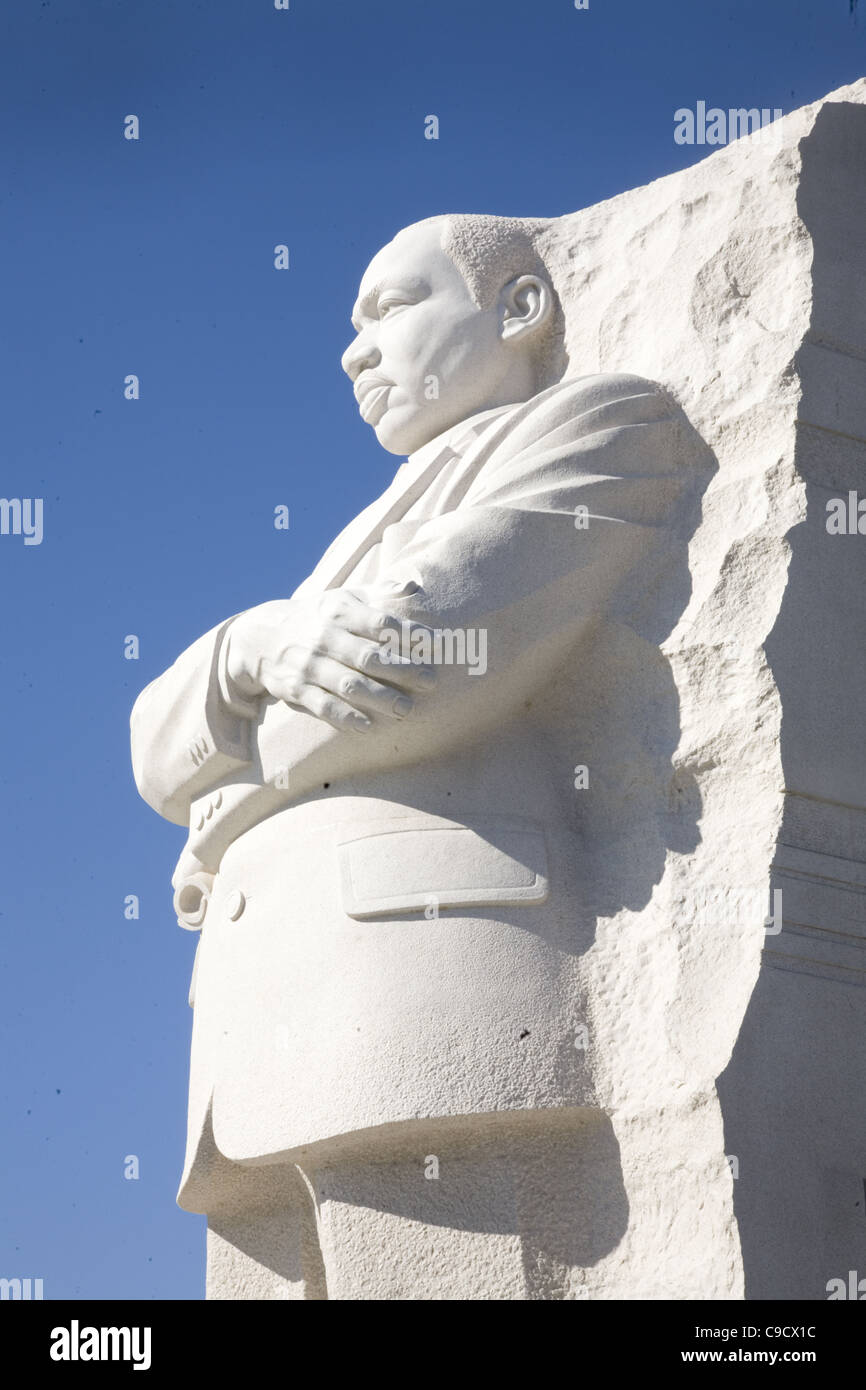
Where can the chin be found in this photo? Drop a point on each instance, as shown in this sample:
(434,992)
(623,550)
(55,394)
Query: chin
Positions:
(402,436)
(403,429)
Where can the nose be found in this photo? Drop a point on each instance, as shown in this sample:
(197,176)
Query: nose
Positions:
(359,355)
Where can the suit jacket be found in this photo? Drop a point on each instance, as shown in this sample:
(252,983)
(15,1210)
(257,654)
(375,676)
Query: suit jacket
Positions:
(393,923)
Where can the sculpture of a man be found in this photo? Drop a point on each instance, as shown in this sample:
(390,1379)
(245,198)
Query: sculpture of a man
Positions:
(389,1095)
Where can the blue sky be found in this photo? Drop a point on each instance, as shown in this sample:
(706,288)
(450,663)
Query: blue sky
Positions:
(155,257)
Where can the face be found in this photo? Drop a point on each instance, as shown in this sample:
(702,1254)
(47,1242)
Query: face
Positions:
(425,356)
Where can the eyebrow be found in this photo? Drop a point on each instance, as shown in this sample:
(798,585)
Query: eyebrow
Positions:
(411,283)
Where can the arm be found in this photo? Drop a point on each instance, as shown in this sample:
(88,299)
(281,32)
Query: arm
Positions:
(518,588)
(510,568)
(192,727)
(185,737)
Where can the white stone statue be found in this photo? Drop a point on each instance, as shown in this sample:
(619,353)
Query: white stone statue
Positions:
(455,806)
(378,774)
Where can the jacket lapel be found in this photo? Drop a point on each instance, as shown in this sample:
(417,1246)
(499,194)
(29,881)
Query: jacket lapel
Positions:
(367,529)
(471,442)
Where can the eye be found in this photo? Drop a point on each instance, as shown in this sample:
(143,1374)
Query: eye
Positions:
(387,306)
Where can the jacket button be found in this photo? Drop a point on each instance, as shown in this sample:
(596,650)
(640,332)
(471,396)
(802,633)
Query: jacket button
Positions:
(235,904)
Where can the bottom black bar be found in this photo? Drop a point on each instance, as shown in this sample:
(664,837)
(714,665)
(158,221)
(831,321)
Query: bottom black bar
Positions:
(66,1338)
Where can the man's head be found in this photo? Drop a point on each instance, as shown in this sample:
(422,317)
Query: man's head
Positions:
(454,316)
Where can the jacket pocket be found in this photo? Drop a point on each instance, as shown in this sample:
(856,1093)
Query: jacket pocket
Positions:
(418,863)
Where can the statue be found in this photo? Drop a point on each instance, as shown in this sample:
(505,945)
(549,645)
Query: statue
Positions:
(408,789)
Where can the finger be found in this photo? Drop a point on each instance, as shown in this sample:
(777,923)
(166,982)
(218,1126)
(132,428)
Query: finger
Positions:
(407,645)
(313,700)
(334,711)
(360,691)
(351,614)
(376,661)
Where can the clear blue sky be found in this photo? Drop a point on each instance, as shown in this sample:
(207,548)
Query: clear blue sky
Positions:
(156,258)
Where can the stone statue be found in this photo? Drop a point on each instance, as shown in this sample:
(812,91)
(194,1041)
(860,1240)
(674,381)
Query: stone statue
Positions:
(379,779)
(458,809)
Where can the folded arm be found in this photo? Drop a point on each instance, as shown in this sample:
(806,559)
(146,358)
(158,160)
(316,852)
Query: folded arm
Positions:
(185,738)
(539,548)
(504,594)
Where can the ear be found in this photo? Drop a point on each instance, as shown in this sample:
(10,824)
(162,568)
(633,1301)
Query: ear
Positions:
(525,306)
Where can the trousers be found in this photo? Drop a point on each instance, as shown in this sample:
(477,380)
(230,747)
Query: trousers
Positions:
(516,1206)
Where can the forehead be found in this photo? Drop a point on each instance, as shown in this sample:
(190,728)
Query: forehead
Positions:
(415,255)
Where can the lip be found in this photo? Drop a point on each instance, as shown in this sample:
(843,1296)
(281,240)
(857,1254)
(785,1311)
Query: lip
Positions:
(371,393)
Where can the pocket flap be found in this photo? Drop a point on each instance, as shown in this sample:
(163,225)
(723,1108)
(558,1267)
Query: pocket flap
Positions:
(417,864)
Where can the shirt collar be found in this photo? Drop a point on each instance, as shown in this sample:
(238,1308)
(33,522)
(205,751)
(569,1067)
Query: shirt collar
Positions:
(458,438)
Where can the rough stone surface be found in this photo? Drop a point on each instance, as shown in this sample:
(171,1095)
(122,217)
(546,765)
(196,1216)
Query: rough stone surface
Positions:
(739,284)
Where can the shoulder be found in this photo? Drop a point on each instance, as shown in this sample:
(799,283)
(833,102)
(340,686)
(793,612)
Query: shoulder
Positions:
(614,431)
(623,397)
(591,411)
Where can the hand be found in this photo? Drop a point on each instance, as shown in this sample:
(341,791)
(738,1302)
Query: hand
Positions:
(322,655)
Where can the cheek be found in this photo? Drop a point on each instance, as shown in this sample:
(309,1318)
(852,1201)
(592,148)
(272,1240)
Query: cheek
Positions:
(468,346)
(406,349)
(428,336)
